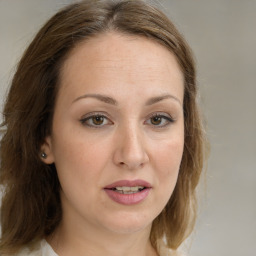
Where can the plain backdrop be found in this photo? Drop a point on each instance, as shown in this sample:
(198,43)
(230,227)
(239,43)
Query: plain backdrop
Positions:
(223,38)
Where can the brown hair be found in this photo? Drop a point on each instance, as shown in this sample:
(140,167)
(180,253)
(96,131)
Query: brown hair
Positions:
(31,207)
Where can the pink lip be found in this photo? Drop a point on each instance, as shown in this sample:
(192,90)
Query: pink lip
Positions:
(128,199)
(129,183)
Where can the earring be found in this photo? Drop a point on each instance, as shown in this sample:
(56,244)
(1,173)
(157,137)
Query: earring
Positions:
(43,155)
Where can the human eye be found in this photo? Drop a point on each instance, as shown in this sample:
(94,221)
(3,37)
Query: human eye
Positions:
(159,120)
(95,120)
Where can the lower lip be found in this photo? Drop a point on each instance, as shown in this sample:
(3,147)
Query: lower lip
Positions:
(127,199)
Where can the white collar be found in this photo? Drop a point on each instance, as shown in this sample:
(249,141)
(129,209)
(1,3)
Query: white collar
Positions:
(46,249)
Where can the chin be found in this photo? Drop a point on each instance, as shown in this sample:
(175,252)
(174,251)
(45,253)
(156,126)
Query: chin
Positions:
(128,223)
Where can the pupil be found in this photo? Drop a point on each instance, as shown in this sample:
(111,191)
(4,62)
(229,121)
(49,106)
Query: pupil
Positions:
(98,120)
(156,120)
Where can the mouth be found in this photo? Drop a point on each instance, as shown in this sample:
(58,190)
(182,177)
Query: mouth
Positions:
(129,186)
(128,192)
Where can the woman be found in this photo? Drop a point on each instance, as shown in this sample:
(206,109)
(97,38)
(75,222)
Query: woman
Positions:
(104,146)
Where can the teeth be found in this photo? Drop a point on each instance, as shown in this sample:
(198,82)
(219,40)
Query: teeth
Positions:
(128,190)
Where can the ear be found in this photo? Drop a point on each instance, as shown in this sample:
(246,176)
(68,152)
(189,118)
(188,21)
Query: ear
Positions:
(46,149)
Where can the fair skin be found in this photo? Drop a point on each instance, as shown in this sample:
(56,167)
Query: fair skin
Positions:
(118,116)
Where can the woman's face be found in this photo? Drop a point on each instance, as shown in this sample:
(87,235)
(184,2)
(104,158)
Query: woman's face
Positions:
(118,132)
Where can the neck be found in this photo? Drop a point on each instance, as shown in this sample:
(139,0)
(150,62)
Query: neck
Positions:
(70,239)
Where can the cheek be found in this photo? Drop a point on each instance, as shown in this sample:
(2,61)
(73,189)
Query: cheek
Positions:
(80,160)
(79,166)
(169,153)
(167,160)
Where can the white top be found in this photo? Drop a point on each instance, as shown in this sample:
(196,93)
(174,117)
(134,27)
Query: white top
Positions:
(44,249)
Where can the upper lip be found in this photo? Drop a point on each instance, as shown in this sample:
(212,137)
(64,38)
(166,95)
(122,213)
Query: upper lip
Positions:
(129,183)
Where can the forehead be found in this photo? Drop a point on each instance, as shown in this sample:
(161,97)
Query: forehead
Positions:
(113,59)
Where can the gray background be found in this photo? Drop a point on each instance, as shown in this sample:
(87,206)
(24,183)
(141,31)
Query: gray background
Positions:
(222,35)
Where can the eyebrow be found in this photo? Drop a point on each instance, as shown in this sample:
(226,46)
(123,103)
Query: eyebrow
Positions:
(154,100)
(111,101)
(99,97)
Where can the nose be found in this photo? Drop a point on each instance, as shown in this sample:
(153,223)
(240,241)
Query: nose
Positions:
(130,152)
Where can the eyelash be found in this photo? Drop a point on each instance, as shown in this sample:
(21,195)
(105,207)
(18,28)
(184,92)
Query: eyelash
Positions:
(84,121)
(90,116)
(167,118)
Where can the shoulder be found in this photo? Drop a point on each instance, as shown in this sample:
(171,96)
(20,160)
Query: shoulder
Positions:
(40,249)
(164,251)
(29,252)
(172,253)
